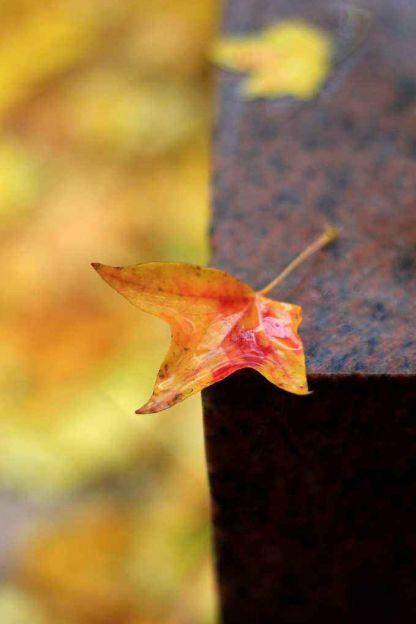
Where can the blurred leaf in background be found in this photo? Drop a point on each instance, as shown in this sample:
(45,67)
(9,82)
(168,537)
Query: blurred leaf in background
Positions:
(105,113)
(289,58)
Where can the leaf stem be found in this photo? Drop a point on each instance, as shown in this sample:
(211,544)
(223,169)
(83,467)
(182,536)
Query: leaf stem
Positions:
(327,237)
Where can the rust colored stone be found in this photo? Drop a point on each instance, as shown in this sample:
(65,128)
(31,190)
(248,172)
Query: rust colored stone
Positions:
(314,499)
(283,169)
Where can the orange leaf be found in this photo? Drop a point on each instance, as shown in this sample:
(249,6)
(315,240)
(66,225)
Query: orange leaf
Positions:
(219,325)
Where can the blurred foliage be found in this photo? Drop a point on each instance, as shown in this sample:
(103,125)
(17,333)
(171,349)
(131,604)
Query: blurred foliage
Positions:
(105,112)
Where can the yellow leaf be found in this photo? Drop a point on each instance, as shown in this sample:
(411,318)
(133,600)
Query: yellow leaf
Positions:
(291,58)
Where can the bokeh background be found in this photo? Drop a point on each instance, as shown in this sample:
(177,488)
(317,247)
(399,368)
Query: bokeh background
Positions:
(105,116)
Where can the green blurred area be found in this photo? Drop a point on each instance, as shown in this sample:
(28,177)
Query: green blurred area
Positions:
(105,113)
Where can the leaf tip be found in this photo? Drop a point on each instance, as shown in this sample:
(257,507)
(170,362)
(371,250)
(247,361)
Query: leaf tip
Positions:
(96,265)
(148,408)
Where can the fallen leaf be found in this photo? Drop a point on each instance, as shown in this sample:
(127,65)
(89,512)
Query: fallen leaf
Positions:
(219,325)
(291,58)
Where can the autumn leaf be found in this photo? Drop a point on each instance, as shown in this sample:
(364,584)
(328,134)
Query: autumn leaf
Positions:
(219,325)
(291,58)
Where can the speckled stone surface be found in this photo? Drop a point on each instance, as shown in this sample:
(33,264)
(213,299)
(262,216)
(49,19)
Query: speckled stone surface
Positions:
(314,498)
(282,169)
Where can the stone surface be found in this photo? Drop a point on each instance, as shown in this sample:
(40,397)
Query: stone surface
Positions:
(283,169)
(314,498)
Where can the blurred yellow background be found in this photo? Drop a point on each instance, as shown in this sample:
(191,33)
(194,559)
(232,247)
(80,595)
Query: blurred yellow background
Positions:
(105,114)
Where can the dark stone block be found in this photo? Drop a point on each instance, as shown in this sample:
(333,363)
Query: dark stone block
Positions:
(314,499)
